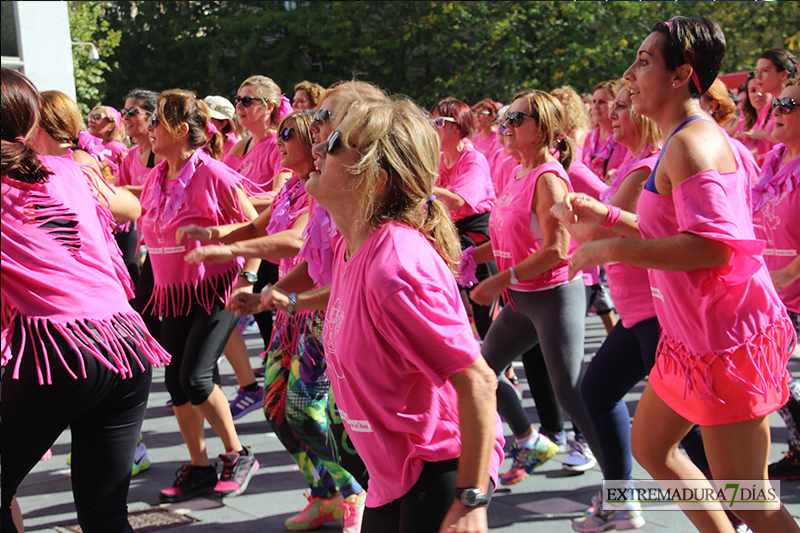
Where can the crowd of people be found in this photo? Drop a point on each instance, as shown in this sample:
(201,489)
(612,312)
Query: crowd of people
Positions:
(397,260)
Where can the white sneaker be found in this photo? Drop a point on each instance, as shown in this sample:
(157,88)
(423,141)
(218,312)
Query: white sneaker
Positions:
(580,458)
(603,521)
(140,459)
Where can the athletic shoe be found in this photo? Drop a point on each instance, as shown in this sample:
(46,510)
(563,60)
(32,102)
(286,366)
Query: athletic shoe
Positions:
(191,481)
(603,521)
(260,372)
(516,386)
(580,457)
(353,511)
(317,512)
(559,439)
(48,454)
(169,403)
(246,402)
(742,528)
(140,459)
(787,468)
(526,460)
(237,469)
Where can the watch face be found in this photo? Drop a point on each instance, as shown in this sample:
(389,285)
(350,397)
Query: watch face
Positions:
(472,497)
(250,277)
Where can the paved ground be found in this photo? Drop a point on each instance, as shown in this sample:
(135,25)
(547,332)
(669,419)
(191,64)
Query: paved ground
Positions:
(546,501)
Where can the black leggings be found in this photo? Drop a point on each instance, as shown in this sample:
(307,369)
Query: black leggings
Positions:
(423,508)
(195,341)
(105,414)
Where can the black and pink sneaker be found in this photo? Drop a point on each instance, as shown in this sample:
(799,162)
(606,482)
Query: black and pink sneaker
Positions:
(237,469)
(191,481)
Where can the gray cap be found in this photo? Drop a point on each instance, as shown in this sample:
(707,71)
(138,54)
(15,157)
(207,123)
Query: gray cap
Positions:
(221,107)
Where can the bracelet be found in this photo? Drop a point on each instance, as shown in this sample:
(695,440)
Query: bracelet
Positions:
(290,306)
(614,213)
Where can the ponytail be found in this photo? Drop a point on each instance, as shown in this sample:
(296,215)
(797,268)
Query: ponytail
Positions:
(20,162)
(566,150)
(439,229)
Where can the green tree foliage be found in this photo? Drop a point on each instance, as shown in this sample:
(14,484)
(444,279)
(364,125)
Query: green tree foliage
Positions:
(88,24)
(426,50)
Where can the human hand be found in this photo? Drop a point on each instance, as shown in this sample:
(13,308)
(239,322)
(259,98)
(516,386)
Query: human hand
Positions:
(193,231)
(587,255)
(580,207)
(463,519)
(487,290)
(244,303)
(279,300)
(213,253)
(782,278)
(242,287)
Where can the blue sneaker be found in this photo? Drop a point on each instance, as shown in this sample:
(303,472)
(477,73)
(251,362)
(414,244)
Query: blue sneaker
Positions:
(526,460)
(246,402)
(580,457)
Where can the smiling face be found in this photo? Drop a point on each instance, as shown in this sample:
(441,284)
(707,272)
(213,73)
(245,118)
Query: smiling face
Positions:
(527,135)
(768,78)
(255,116)
(787,127)
(331,183)
(135,127)
(295,153)
(449,132)
(99,124)
(601,103)
(161,140)
(321,131)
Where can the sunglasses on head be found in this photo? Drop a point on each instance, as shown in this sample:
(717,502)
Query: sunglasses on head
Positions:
(246,101)
(96,116)
(438,122)
(285,133)
(153,121)
(515,119)
(132,112)
(784,105)
(322,116)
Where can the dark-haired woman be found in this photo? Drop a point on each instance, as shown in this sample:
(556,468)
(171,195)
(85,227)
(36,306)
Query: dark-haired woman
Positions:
(75,353)
(191,187)
(465,186)
(726,337)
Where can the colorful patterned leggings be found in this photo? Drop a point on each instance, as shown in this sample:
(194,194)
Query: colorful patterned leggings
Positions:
(296,389)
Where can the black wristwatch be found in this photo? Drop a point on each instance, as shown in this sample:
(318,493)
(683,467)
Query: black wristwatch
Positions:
(251,277)
(472,497)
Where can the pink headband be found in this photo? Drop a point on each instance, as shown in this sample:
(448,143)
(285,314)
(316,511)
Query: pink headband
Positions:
(211,129)
(286,107)
(695,78)
(115,116)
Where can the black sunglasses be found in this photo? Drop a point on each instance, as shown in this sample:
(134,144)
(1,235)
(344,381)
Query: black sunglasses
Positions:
(784,105)
(322,116)
(285,133)
(96,116)
(246,101)
(334,141)
(132,112)
(153,121)
(515,119)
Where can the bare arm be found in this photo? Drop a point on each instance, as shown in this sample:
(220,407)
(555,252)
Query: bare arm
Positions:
(262,203)
(787,275)
(123,205)
(452,200)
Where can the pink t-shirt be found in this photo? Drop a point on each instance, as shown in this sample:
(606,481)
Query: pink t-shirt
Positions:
(289,204)
(629,285)
(751,167)
(776,201)
(319,238)
(118,151)
(765,122)
(230,142)
(132,171)
(178,283)
(596,152)
(57,272)
(260,166)
(395,331)
(585,181)
(489,147)
(471,180)
(515,228)
(504,171)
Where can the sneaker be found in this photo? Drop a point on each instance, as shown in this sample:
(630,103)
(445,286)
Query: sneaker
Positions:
(169,403)
(742,528)
(317,512)
(353,511)
(604,520)
(526,460)
(260,372)
(580,457)
(787,468)
(140,459)
(246,402)
(516,386)
(559,439)
(237,469)
(191,481)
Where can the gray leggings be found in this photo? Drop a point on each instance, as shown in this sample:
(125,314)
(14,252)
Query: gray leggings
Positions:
(553,318)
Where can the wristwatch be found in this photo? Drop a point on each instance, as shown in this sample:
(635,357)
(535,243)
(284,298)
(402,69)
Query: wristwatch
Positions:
(291,304)
(514,279)
(472,497)
(251,277)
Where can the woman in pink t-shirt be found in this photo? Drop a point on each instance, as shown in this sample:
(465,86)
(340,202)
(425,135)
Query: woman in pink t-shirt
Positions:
(485,140)
(600,152)
(726,338)
(421,413)
(776,216)
(465,186)
(105,123)
(192,187)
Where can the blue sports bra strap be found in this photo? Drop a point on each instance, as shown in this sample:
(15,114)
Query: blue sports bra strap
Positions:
(651,181)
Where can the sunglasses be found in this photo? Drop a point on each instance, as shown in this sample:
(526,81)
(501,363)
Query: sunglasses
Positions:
(438,122)
(322,116)
(502,127)
(515,119)
(153,121)
(285,133)
(96,116)
(784,105)
(485,112)
(133,112)
(246,101)
(334,141)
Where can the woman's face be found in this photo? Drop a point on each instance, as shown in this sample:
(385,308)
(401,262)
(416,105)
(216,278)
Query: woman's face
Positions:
(527,134)
(294,152)
(787,127)
(255,116)
(135,127)
(485,118)
(621,124)
(768,79)
(321,130)
(99,124)
(601,103)
(161,140)
(301,100)
(331,183)
(758,99)
(648,77)
(448,132)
